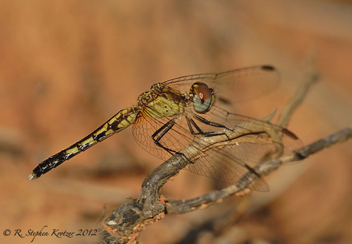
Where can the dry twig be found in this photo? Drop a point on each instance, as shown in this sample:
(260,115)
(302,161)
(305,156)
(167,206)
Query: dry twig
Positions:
(125,223)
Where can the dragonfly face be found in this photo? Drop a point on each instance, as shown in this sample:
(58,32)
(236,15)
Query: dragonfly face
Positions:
(177,112)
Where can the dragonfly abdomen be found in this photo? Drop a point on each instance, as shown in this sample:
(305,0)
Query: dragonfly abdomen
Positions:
(117,123)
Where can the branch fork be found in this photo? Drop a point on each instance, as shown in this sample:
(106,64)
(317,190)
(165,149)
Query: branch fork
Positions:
(125,223)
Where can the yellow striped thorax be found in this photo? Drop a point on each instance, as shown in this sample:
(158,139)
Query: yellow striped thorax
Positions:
(162,101)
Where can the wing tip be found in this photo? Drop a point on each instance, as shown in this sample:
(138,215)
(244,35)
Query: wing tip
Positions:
(268,67)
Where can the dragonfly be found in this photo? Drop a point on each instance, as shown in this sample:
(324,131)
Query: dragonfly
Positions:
(177,112)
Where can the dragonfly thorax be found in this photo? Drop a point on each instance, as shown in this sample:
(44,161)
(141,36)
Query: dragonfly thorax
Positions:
(162,101)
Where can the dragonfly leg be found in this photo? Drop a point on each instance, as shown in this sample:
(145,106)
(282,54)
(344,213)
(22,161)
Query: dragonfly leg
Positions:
(205,121)
(191,122)
(158,135)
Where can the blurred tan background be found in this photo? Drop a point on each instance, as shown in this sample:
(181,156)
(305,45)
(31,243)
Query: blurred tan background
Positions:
(68,66)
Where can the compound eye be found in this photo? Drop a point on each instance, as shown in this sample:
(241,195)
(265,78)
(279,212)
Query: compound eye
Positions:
(203,97)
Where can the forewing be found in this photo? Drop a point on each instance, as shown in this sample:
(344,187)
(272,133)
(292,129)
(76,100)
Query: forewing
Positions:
(234,85)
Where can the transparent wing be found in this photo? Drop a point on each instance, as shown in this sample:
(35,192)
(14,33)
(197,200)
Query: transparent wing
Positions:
(232,121)
(229,164)
(225,164)
(234,85)
(175,139)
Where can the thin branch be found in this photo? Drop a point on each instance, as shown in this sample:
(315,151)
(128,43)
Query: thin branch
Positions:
(132,217)
(311,78)
(125,223)
(264,168)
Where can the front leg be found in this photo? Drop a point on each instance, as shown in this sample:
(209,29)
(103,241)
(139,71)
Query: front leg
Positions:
(161,132)
(191,122)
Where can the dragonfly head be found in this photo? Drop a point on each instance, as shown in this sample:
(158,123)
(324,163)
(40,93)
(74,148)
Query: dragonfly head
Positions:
(203,97)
